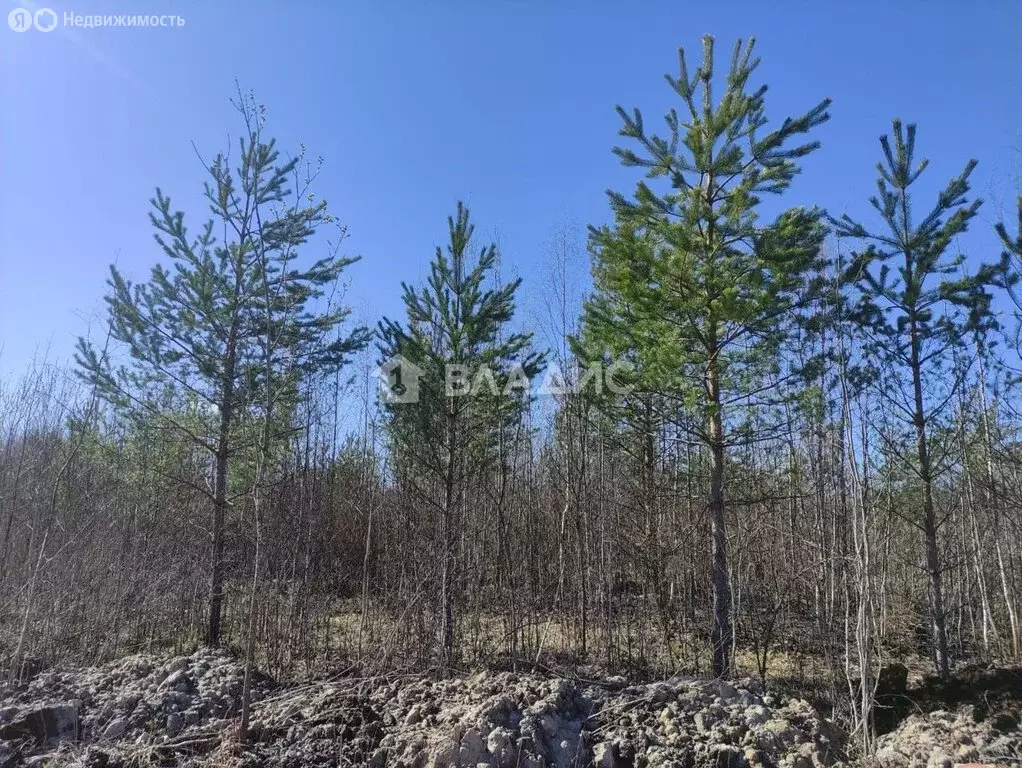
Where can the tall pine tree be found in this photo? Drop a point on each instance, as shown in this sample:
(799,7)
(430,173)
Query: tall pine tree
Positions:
(691,284)
(447,437)
(233,317)
(914,305)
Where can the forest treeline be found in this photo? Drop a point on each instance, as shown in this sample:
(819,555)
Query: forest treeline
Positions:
(809,465)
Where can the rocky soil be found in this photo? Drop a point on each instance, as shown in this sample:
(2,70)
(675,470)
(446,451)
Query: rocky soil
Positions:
(943,739)
(183,711)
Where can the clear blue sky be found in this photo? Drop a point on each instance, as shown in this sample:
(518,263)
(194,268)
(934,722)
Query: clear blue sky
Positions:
(414,105)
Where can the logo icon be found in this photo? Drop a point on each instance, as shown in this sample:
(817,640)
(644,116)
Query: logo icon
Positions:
(45,20)
(399,380)
(20,20)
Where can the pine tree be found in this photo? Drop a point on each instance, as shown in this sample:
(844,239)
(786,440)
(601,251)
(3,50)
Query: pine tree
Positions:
(228,322)
(692,284)
(1013,247)
(1012,258)
(447,437)
(914,306)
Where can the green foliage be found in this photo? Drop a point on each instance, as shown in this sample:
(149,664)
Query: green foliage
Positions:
(914,303)
(457,319)
(908,284)
(691,274)
(198,330)
(1013,247)
(1012,258)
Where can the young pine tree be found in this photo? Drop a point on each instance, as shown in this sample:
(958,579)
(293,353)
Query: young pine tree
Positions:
(447,438)
(914,306)
(231,320)
(692,284)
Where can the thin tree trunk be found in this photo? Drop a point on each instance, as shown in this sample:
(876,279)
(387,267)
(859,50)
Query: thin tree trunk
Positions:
(216,567)
(721,635)
(938,624)
(995,509)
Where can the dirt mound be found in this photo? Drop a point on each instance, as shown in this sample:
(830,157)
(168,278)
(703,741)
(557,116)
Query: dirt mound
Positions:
(988,689)
(971,717)
(183,711)
(942,739)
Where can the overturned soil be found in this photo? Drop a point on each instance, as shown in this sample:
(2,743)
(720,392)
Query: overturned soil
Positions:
(145,710)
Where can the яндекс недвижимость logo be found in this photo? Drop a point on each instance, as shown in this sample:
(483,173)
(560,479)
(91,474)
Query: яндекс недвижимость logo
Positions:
(22,19)
(46,20)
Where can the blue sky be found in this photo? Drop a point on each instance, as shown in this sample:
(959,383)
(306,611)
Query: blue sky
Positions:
(508,106)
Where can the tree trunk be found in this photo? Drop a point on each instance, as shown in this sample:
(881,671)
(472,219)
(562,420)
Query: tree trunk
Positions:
(216,567)
(720,637)
(994,505)
(938,625)
(216,570)
(447,543)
